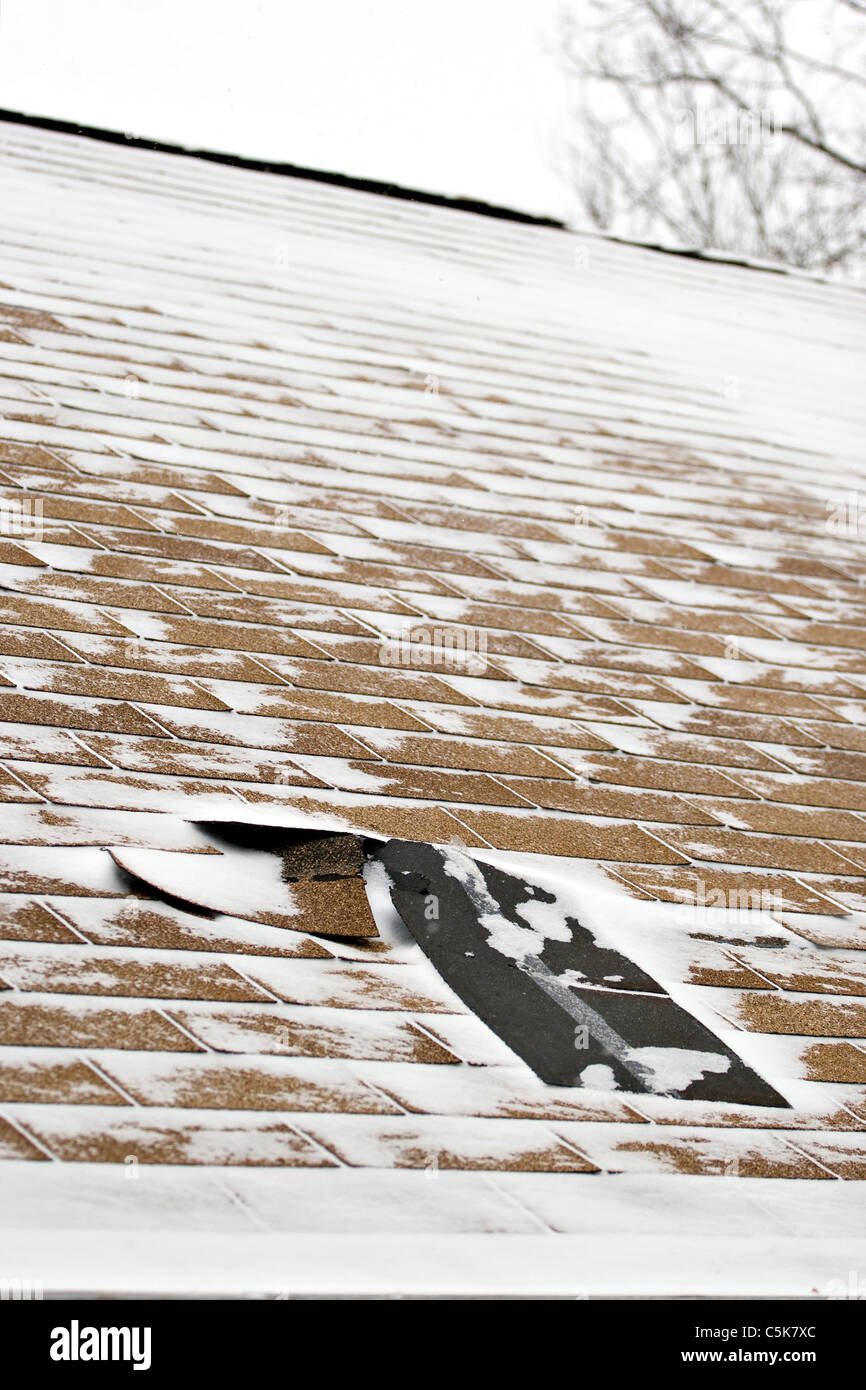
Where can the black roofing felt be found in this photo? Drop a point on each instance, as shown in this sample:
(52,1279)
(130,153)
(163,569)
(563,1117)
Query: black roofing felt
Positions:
(574,1005)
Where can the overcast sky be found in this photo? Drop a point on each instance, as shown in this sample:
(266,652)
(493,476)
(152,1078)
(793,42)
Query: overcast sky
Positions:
(458,96)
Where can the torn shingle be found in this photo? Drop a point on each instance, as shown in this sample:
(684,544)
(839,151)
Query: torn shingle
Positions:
(247,878)
(322,856)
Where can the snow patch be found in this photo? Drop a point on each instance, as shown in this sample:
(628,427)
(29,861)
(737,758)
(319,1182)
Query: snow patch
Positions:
(672,1069)
(598,1077)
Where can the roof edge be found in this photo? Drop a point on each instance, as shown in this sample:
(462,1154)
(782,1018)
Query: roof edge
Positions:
(414,195)
(295,171)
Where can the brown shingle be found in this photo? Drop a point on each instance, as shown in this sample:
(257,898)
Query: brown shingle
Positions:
(827,762)
(15,641)
(49,1081)
(168,1137)
(380,681)
(308,732)
(126,791)
(73,617)
(806,971)
(340,985)
(577,838)
(773,819)
(189,759)
(725,723)
(701,749)
(775,1013)
(461,753)
(486,1145)
(307,1031)
(11,789)
(429,651)
(169,658)
(306,591)
(438,784)
(715,886)
(641,805)
(170,476)
(14,1144)
(654,773)
(12,554)
(90,589)
(750,1155)
(790,704)
(69,712)
(209,1083)
(43,744)
(245,533)
(157,926)
(798,790)
(499,618)
(848,893)
(846,1157)
(102,683)
(70,970)
(28,920)
(89,1023)
(431,823)
(796,853)
(517,728)
(835,1062)
(212,636)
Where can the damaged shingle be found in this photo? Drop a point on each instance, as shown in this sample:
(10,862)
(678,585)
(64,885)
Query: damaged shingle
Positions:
(324,855)
(579,1012)
(248,877)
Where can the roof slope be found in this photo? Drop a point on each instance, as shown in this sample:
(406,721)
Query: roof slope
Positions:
(322,505)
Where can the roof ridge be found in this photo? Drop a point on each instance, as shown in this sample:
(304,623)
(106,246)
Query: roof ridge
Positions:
(298,171)
(402,193)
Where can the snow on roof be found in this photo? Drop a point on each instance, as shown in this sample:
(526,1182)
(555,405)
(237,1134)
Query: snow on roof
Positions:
(321,508)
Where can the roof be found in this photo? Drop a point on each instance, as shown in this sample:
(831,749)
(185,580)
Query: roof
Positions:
(326,509)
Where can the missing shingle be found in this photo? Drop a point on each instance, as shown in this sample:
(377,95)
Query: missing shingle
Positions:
(573,1007)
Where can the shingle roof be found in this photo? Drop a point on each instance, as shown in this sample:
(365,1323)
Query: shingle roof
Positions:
(267,447)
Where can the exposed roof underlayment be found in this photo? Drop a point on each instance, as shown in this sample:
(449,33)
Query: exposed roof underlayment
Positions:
(325,511)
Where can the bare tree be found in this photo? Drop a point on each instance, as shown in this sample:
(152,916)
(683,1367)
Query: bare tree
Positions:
(733,124)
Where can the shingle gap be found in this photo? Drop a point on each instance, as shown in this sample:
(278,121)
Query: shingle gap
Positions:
(578,1011)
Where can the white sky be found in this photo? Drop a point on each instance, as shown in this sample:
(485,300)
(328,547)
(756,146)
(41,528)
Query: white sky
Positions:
(455,96)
